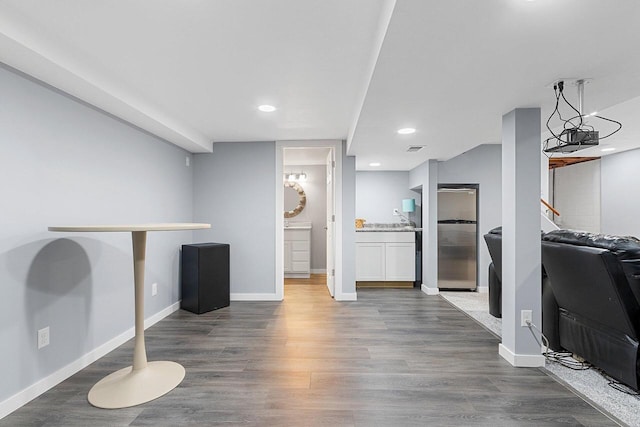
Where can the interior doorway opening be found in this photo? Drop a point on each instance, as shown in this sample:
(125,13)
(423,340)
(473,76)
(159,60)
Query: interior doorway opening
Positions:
(307,235)
(307,207)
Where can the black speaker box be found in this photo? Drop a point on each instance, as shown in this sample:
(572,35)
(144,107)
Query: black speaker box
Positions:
(205,277)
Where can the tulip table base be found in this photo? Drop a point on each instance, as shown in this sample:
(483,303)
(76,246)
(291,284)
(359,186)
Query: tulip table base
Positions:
(127,387)
(143,381)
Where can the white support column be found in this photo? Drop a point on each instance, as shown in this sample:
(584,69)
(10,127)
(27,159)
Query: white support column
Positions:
(521,268)
(430,230)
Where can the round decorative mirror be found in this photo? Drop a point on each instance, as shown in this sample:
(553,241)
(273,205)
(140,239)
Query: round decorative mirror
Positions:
(294,199)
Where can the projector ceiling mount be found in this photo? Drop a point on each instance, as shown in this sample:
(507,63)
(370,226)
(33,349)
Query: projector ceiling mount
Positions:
(576,133)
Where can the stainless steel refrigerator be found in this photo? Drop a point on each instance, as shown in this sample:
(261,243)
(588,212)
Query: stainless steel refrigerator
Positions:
(457,236)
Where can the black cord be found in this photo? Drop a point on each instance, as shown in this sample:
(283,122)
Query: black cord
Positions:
(566,359)
(568,125)
(609,120)
(617,385)
(555,110)
(574,108)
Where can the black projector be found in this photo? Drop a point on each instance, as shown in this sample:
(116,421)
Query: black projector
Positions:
(573,140)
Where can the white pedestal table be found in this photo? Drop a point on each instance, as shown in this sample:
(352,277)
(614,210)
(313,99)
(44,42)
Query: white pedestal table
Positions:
(144,381)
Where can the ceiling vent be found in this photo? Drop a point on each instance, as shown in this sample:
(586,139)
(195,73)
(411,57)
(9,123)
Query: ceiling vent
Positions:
(414,148)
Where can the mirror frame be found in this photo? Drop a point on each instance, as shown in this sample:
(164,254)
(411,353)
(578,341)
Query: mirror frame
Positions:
(302,199)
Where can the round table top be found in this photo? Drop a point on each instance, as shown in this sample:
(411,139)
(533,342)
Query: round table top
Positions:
(170,226)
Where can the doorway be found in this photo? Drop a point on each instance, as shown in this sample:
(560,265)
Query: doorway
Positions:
(308,238)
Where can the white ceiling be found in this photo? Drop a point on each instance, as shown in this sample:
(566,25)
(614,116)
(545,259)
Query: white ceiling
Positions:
(194,72)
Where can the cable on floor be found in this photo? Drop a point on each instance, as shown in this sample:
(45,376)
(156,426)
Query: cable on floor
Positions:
(567,359)
(563,358)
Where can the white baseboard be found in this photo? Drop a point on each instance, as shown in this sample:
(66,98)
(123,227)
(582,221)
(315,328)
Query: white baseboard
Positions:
(521,360)
(348,296)
(429,291)
(482,289)
(254,297)
(318,271)
(25,396)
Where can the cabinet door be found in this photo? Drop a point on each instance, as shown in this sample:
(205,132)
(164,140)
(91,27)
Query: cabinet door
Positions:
(400,262)
(287,256)
(370,262)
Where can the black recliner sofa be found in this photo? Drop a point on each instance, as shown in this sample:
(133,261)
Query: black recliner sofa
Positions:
(493,240)
(549,305)
(595,279)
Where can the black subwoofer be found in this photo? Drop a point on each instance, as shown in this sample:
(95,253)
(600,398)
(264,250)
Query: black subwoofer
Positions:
(205,277)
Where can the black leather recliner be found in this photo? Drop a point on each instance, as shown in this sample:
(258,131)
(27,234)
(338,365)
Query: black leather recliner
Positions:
(494,243)
(549,305)
(596,281)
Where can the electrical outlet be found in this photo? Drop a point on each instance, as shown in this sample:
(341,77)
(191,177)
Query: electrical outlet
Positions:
(43,337)
(154,289)
(525,316)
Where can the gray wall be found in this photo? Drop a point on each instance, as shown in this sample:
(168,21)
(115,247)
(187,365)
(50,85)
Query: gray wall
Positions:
(63,163)
(481,165)
(234,191)
(315,211)
(521,252)
(620,195)
(424,179)
(418,182)
(378,193)
(576,195)
(348,224)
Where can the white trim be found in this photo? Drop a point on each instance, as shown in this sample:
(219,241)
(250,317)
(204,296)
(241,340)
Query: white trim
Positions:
(152,320)
(521,360)
(347,296)
(25,396)
(318,271)
(429,291)
(336,145)
(255,297)
(279,243)
(482,289)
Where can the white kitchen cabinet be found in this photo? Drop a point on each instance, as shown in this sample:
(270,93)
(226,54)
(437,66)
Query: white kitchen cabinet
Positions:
(400,262)
(297,252)
(385,256)
(370,264)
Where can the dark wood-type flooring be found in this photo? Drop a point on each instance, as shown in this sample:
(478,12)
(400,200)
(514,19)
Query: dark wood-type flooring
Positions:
(396,357)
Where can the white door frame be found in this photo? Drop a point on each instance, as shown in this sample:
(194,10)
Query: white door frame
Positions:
(330,185)
(336,145)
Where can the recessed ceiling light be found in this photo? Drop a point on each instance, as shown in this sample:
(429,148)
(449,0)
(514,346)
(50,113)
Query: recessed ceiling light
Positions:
(374,164)
(267,108)
(604,150)
(406,131)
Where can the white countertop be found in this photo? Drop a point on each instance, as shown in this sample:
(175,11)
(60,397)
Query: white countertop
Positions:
(387,230)
(297,225)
